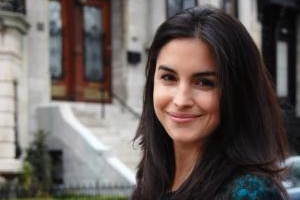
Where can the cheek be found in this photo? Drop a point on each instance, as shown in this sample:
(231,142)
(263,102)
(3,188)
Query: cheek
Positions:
(211,106)
(215,105)
(209,102)
(161,98)
(158,98)
(215,108)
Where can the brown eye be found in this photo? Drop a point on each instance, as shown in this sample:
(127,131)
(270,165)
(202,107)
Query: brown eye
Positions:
(204,83)
(168,77)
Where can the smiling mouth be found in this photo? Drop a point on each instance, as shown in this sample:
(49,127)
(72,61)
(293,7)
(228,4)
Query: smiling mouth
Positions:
(183,118)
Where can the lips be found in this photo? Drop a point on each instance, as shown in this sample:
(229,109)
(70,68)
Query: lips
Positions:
(183,117)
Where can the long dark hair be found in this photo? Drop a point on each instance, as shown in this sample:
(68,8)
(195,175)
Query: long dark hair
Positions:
(251,137)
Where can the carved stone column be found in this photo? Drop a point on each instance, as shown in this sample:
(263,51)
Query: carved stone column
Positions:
(13,5)
(13,28)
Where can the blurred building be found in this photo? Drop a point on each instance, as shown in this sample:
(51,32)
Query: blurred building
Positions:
(75,68)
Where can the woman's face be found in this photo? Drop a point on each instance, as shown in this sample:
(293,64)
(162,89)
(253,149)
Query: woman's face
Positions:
(186,91)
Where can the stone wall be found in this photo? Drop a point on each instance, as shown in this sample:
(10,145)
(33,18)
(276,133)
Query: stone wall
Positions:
(13,28)
(38,59)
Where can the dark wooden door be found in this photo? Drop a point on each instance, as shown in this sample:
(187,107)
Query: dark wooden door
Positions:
(85,47)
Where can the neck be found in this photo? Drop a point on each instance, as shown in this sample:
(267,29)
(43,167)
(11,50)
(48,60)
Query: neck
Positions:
(185,160)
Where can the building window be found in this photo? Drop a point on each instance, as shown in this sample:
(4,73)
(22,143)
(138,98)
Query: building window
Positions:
(93,44)
(282,69)
(175,6)
(230,7)
(55,40)
(56,157)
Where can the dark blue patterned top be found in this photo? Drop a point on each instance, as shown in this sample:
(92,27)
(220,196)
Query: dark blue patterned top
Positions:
(246,187)
(251,187)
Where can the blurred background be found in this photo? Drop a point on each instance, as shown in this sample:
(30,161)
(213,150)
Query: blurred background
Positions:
(72,77)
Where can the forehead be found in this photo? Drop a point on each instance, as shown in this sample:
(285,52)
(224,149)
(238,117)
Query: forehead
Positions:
(187,53)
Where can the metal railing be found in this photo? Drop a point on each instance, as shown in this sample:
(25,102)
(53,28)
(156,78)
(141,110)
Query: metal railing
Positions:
(123,103)
(111,192)
(126,106)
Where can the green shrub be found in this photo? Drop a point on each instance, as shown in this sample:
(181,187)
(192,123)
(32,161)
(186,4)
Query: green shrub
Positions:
(37,166)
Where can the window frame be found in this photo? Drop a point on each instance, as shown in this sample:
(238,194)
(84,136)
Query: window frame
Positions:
(181,6)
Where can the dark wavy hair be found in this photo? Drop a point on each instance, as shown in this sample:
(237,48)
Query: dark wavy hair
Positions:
(250,138)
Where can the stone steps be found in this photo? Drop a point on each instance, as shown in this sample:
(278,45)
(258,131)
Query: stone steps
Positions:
(116,130)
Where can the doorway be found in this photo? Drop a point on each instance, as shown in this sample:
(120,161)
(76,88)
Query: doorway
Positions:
(80,50)
(279,50)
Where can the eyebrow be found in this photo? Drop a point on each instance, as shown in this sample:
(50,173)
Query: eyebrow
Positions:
(204,73)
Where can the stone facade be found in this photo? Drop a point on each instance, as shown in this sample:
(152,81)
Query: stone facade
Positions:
(13,114)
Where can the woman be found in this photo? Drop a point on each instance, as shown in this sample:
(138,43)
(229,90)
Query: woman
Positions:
(211,126)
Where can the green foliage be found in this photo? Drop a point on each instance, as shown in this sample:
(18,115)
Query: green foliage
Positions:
(37,166)
(36,179)
(26,176)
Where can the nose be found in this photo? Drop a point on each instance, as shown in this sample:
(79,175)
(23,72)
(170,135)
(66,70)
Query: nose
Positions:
(183,96)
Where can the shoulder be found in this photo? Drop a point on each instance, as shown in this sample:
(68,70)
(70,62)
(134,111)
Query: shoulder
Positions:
(253,187)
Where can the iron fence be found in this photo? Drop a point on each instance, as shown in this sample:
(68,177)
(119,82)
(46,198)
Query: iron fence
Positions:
(101,192)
